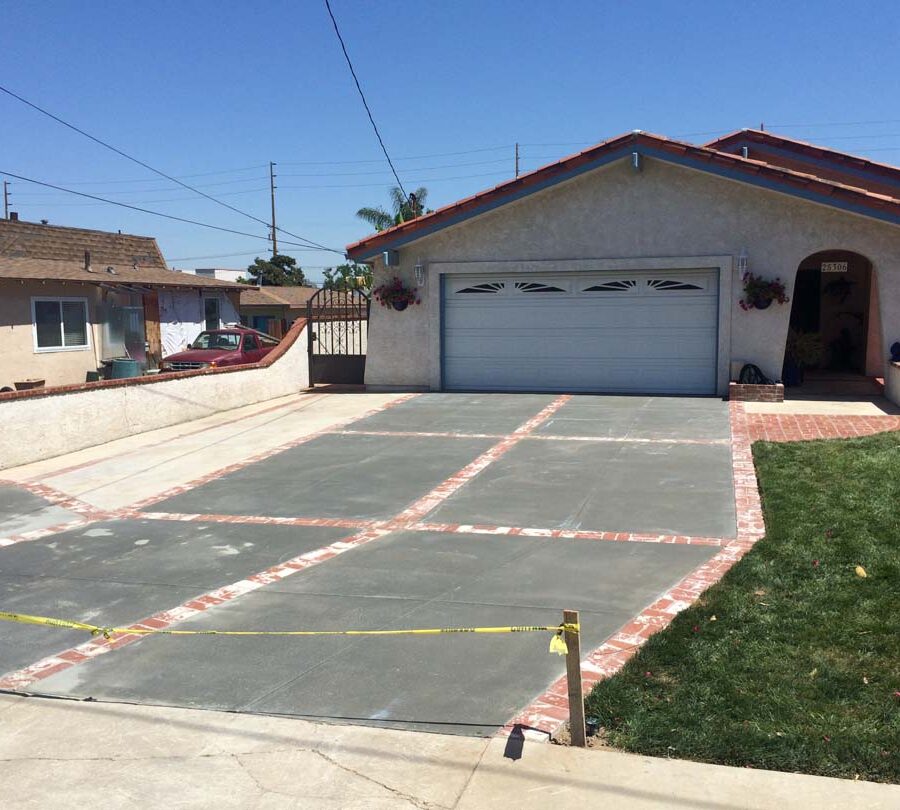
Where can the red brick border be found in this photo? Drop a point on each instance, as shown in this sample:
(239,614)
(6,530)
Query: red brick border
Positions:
(20,679)
(66,659)
(239,465)
(549,711)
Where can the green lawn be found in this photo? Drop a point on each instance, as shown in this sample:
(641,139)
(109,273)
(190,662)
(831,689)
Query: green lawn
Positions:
(792,661)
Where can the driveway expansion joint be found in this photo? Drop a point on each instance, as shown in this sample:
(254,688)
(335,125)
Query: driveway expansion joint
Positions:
(549,710)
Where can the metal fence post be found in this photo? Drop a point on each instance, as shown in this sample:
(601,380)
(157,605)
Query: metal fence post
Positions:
(573,680)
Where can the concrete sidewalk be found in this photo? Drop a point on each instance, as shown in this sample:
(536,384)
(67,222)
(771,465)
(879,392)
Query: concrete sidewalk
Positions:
(59,753)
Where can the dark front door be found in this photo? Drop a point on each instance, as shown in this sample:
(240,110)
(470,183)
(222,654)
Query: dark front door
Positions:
(338,333)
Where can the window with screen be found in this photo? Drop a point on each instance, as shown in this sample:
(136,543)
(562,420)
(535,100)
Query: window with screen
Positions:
(60,323)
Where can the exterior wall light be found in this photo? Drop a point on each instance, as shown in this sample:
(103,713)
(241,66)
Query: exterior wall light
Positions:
(743,264)
(419,270)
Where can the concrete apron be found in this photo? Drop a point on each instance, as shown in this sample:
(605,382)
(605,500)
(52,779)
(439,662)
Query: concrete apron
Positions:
(620,464)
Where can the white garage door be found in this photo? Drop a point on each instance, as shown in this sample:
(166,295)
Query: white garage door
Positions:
(634,332)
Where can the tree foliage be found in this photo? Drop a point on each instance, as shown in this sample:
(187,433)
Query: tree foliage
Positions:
(279,271)
(348,277)
(402,209)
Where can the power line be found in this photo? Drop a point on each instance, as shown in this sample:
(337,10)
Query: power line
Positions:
(839,123)
(182,176)
(214,256)
(410,157)
(405,171)
(363,97)
(379,185)
(164,189)
(288,174)
(157,213)
(42,201)
(151,168)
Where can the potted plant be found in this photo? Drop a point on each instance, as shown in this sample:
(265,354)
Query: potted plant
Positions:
(759,293)
(804,350)
(396,294)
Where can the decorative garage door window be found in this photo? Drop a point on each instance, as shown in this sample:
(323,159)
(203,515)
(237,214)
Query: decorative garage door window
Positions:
(617,285)
(593,284)
(489,287)
(537,287)
(665,284)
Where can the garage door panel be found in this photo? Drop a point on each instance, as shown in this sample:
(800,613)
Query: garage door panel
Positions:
(576,344)
(651,332)
(548,375)
(588,315)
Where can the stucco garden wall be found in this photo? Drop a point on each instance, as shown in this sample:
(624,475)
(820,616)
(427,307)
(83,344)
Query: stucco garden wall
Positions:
(663,212)
(44,424)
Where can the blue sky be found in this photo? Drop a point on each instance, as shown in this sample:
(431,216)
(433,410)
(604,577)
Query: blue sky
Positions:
(220,89)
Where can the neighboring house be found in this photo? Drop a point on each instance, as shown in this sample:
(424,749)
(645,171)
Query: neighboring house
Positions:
(71,300)
(220,273)
(273,309)
(621,268)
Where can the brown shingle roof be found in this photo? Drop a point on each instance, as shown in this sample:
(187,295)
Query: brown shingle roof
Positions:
(55,253)
(293,297)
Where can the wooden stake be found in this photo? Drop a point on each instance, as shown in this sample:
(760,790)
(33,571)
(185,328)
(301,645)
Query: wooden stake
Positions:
(573,680)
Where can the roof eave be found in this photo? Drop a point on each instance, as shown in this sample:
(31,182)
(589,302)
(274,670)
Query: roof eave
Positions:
(707,159)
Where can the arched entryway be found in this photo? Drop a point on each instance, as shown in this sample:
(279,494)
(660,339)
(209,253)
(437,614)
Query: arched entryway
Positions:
(834,340)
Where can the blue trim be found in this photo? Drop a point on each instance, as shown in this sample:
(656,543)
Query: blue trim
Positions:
(608,157)
(823,162)
(774,185)
(623,151)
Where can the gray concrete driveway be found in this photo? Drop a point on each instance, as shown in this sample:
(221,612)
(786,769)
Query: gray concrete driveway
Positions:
(439,511)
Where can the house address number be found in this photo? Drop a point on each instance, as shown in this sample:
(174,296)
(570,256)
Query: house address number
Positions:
(834,267)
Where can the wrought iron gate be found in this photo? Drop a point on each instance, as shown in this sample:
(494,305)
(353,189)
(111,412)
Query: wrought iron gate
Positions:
(338,322)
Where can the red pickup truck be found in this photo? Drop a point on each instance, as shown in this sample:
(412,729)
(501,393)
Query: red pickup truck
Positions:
(232,346)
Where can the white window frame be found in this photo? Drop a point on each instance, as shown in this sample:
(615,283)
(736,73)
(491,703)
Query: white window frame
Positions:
(60,299)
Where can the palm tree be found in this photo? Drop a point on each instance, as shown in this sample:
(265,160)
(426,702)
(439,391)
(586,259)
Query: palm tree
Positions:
(403,209)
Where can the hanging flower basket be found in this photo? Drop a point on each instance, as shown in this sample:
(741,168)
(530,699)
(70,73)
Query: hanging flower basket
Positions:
(396,294)
(759,293)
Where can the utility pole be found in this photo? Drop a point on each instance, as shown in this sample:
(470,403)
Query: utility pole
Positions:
(272,191)
(5,199)
(517,158)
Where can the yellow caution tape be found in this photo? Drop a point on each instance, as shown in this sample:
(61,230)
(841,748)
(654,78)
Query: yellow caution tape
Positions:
(557,643)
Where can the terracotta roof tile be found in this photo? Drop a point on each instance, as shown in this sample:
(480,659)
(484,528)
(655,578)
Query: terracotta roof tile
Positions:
(842,166)
(788,180)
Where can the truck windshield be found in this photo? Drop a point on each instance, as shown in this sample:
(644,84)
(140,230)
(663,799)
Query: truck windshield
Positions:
(216,340)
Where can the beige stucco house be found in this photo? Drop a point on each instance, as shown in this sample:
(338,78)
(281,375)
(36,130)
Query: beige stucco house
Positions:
(72,300)
(622,269)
